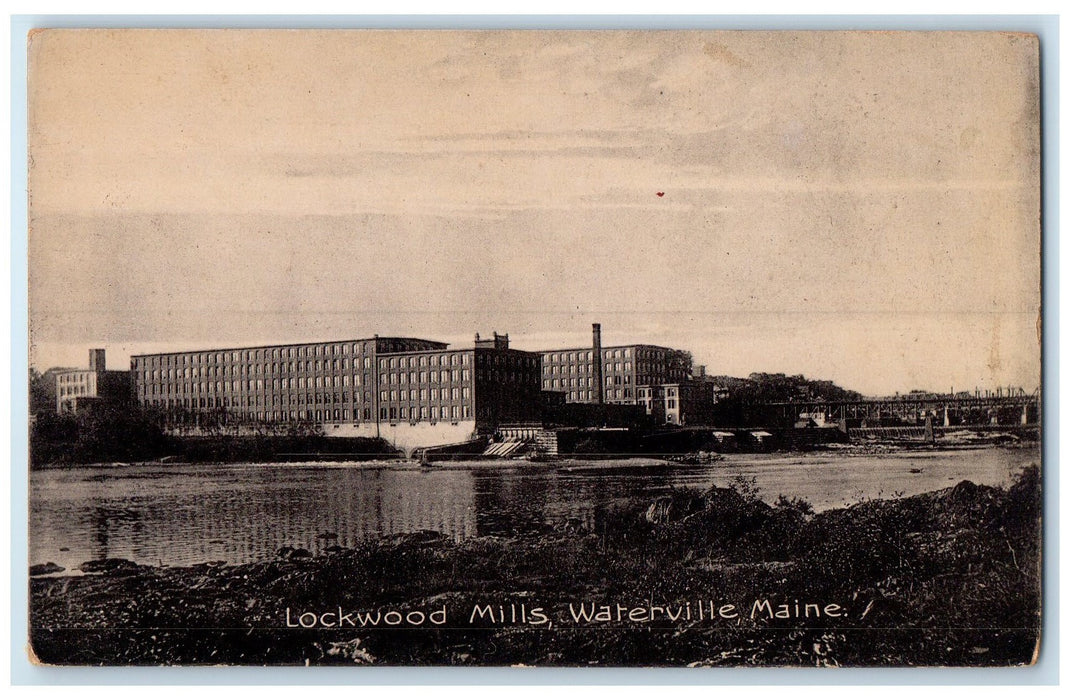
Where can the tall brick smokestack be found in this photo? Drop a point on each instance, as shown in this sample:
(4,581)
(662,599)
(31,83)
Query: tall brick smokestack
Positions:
(599,382)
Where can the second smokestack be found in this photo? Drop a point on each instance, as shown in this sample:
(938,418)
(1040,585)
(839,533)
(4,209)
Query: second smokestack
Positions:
(599,382)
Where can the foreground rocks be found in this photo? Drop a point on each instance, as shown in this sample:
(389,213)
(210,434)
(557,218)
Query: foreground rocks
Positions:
(714,578)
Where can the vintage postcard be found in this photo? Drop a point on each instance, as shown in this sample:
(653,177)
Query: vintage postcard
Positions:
(544,348)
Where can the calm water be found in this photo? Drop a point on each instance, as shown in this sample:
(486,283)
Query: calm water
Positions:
(177,515)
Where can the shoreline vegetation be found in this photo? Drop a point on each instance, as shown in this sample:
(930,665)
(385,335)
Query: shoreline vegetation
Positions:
(713,578)
(121,438)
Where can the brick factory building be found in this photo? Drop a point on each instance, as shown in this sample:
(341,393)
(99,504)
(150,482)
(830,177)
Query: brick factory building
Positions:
(659,379)
(624,368)
(75,389)
(409,391)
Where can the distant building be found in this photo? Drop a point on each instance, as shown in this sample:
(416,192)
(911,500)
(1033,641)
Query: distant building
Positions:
(624,368)
(689,402)
(77,388)
(43,391)
(659,379)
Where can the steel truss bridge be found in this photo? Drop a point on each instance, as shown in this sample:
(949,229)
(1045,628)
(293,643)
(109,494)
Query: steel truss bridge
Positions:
(1009,408)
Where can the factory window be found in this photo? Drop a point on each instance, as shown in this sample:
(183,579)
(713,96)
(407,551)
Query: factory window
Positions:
(401,412)
(434,413)
(464,411)
(393,395)
(465,359)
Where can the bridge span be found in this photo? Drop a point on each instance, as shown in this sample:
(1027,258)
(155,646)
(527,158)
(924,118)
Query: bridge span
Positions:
(1004,408)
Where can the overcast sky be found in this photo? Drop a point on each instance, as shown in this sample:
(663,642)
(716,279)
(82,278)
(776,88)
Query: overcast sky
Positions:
(856,207)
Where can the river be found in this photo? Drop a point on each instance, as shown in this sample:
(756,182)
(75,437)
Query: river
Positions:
(185,514)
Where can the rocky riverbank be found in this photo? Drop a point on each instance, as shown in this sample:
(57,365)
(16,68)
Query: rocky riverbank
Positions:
(714,578)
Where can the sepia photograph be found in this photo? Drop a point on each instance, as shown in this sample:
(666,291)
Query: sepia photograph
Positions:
(497,348)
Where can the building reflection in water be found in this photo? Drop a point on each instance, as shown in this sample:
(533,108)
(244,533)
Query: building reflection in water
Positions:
(239,514)
(248,518)
(242,513)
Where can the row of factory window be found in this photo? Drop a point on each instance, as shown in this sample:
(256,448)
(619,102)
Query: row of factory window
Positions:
(573,382)
(669,403)
(433,360)
(422,394)
(646,392)
(320,414)
(253,354)
(248,385)
(75,390)
(306,366)
(581,355)
(409,413)
(428,413)
(586,368)
(423,377)
(72,377)
(588,395)
(425,394)
(228,402)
